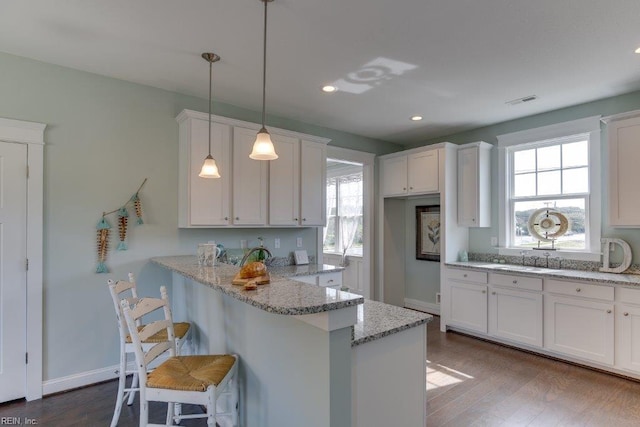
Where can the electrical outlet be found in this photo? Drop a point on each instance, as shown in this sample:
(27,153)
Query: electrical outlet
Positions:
(276,244)
(299,242)
(494,241)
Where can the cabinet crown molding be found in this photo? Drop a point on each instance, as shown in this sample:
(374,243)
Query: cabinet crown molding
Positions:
(191,114)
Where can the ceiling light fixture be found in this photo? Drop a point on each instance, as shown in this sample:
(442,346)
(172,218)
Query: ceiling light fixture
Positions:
(416,118)
(210,168)
(263,147)
(329,89)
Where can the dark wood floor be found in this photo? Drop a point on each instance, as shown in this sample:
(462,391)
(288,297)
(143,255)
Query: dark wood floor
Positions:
(470,383)
(476,383)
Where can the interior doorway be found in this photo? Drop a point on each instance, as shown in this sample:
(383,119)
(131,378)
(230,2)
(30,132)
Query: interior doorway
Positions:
(347,239)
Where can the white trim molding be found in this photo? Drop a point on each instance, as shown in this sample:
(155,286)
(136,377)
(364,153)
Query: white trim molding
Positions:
(32,134)
(81,379)
(368,178)
(419,305)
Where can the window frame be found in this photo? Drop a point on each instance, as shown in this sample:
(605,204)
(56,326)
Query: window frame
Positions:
(337,221)
(545,136)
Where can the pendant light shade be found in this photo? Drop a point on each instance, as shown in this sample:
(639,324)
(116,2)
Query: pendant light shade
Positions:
(263,148)
(210,167)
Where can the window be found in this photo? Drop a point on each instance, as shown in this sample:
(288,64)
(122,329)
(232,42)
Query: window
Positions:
(552,186)
(552,175)
(344,231)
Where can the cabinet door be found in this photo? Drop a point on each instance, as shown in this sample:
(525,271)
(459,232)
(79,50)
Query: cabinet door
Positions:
(208,200)
(516,315)
(394,176)
(249,181)
(313,183)
(579,328)
(624,157)
(467,186)
(628,338)
(468,306)
(423,174)
(284,182)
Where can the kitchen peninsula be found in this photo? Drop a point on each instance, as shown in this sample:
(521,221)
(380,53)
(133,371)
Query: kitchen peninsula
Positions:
(309,355)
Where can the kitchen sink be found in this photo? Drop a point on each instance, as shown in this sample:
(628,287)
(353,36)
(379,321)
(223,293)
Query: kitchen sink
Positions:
(523,268)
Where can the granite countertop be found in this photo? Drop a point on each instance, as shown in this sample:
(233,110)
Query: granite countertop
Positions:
(303,270)
(281,296)
(377,320)
(631,280)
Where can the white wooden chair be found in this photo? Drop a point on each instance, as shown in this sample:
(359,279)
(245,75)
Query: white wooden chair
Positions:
(198,380)
(123,290)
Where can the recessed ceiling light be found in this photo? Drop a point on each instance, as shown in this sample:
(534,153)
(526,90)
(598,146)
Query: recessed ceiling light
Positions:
(416,118)
(638,50)
(329,89)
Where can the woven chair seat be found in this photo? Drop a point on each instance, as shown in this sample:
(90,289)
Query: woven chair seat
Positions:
(191,373)
(179,329)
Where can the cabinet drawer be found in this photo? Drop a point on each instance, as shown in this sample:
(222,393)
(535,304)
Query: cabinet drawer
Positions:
(631,296)
(330,279)
(579,289)
(520,282)
(467,276)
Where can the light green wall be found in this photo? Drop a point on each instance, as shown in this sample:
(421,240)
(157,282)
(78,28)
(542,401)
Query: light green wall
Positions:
(479,239)
(103,137)
(422,278)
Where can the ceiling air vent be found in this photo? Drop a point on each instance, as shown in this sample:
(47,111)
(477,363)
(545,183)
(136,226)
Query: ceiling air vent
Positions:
(521,100)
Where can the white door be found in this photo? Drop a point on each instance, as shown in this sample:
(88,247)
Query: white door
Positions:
(13,275)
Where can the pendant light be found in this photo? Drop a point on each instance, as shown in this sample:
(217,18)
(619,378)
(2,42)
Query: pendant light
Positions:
(263,147)
(210,168)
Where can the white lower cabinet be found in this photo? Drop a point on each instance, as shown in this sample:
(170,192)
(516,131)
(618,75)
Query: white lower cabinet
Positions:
(598,324)
(467,306)
(628,329)
(516,315)
(579,327)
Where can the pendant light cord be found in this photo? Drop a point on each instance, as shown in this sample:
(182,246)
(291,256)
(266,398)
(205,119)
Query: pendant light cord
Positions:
(264,65)
(210,78)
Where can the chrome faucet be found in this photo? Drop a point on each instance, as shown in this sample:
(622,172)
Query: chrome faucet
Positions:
(252,250)
(546,256)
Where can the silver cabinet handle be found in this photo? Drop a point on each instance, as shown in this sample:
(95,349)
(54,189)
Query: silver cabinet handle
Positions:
(237,218)
(608,311)
(410,188)
(578,289)
(464,275)
(404,188)
(484,292)
(304,219)
(493,293)
(330,281)
(226,218)
(626,314)
(515,282)
(295,219)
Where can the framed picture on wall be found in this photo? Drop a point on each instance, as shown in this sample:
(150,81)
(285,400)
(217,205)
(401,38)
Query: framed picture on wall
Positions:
(428,233)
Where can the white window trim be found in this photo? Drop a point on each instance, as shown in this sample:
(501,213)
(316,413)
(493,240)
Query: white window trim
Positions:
(590,125)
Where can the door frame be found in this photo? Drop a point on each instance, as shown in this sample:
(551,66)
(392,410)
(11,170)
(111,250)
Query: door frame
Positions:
(368,178)
(32,135)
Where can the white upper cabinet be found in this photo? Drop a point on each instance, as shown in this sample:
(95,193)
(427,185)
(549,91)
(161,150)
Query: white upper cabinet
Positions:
(422,172)
(474,185)
(249,181)
(212,205)
(289,191)
(624,173)
(284,182)
(394,176)
(313,183)
(410,174)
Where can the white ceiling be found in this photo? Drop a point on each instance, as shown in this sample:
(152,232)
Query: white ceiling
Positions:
(455,62)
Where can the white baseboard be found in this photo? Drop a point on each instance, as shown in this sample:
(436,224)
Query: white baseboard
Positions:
(81,379)
(427,307)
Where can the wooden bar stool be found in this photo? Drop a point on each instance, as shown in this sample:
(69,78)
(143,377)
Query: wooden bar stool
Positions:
(126,291)
(198,380)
